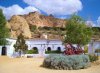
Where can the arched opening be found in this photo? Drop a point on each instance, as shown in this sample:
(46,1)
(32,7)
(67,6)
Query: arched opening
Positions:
(59,48)
(49,49)
(35,49)
(4,50)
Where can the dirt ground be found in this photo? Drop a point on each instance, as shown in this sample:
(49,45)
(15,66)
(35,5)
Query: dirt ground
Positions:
(33,65)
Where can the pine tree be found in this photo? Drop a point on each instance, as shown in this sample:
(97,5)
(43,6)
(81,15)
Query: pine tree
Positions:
(20,44)
(4,32)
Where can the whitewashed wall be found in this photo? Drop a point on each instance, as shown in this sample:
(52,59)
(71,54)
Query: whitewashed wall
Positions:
(10,48)
(44,44)
(0,50)
(7,50)
(93,45)
(41,45)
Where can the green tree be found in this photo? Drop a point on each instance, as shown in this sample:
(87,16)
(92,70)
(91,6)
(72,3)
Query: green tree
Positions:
(77,32)
(96,32)
(4,31)
(33,28)
(20,44)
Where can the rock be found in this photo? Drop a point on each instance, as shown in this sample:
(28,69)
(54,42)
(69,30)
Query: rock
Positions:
(8,25)
(35,18)
(19,25)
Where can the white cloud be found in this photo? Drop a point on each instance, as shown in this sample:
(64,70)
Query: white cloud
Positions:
(94,23)
(56,7)
(90,23)
(17,10)
(98,21)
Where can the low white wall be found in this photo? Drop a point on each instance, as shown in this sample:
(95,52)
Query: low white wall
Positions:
(34,55)
(0,50)
(8,50)
(93,46)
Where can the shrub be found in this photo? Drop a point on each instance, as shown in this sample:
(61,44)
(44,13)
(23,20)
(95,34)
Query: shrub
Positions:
(32,52)
(59,61)
(33,28)
(86,49)
(53,52)
(93,58)
(97,51)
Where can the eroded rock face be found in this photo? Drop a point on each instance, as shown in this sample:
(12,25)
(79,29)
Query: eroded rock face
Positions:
(35,18)
(19,25)
(8,25)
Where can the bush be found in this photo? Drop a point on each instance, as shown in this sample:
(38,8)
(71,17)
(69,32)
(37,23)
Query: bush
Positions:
(33,28)
(53,52)
(32,52)
(64,62)
(97,51)
(93,58)
(86,49)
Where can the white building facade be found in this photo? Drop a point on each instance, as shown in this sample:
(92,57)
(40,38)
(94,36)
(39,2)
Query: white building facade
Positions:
(42,45)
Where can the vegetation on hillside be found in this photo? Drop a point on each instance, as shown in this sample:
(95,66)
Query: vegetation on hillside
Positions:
(96,32)
(33,28)
(60,31)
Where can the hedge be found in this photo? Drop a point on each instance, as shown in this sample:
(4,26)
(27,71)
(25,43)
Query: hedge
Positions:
(59,61)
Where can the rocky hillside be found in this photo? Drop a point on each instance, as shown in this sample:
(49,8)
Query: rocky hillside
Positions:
(18,25)
(21,23)
(35,18)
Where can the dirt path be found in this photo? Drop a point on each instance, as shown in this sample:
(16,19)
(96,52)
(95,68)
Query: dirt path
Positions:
(32,65)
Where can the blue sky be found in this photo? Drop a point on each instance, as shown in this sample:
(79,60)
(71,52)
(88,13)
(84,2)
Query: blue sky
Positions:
(91,9)
(88,9)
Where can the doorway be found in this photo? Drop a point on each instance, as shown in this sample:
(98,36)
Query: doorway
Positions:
(59,48)
(4,50)
(49,49)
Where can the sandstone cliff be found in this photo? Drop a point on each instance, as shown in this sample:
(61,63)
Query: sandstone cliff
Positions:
(35,18)
(21,23)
